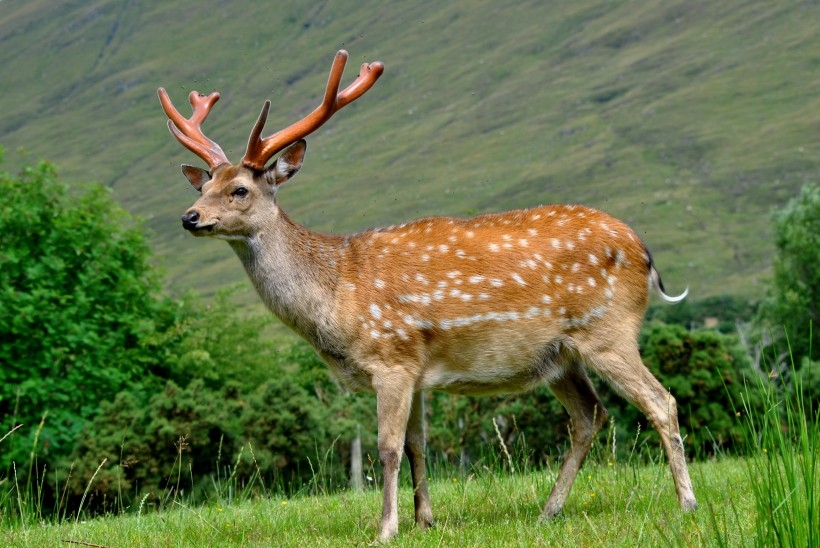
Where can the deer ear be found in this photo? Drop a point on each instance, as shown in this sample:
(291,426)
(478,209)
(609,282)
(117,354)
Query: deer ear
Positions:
(288,163)
(196,175)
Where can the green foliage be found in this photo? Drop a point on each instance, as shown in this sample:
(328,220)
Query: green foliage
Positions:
(705,371)
(783,459)
(77,305)
(793,298)
(275,432)
(726,310)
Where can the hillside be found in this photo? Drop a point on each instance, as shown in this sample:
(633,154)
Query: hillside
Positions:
(689,120)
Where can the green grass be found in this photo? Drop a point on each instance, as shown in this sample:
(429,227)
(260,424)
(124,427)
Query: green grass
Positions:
(689,120)
(769,497)
(609,506)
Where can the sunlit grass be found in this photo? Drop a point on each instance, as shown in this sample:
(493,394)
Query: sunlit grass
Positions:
(614,504)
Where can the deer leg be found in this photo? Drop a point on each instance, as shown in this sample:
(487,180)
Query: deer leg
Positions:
(625,371)
(393,404)
(414,443)
(587,415)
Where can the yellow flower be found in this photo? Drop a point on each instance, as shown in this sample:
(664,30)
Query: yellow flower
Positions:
(284,502)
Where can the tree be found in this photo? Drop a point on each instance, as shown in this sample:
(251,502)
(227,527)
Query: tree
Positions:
(78,306)
(793,297)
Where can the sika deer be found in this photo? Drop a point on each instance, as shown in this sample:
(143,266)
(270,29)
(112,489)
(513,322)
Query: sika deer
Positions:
(493,303)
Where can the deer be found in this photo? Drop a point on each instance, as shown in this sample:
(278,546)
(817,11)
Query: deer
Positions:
(494,303)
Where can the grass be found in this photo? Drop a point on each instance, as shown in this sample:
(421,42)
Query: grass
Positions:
(784,470)
(769,497)
(687,120)
(610,505)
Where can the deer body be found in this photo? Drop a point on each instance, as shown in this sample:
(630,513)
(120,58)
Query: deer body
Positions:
(493,303)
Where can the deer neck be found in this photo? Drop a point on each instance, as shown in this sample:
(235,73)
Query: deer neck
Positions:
(295,271)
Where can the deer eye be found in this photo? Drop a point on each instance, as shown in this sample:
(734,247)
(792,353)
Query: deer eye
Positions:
(240,192)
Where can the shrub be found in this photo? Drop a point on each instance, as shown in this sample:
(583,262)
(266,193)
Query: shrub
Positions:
(78,302)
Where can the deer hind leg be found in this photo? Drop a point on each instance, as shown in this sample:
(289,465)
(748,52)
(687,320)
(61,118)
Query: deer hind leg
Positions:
(393,405)
(625,371)
(587,415)
(414,443)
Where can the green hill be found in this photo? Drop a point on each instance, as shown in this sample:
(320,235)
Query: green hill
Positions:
(689,120)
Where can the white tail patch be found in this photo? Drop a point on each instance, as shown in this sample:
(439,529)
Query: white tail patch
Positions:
(655,281)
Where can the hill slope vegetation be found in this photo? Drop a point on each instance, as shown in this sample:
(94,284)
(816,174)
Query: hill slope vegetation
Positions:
(689,120)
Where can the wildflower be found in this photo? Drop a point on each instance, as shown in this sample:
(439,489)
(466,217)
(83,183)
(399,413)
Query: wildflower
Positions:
(284,503)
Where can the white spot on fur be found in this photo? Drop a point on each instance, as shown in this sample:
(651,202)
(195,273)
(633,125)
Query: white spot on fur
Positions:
(375,311)
(378,283)
(495,282)
(494,247)
(593,259)
(476,279)
(518,278)
(591,281)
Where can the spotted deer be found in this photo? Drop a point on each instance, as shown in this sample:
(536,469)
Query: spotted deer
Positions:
(494,303)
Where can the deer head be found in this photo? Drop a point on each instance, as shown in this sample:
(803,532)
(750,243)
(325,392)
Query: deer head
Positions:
(235,195)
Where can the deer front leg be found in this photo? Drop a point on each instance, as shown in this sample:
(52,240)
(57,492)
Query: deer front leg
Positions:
(414,448)
(393,404)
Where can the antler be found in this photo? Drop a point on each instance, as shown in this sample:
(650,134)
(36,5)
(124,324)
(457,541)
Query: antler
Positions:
(261,150)
(188,131)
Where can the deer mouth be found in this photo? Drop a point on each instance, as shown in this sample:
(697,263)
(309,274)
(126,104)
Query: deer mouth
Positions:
(200,229)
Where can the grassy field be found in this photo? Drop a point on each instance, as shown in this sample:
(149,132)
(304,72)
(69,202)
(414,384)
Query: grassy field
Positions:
(611,505)
(769,497)
(689,120)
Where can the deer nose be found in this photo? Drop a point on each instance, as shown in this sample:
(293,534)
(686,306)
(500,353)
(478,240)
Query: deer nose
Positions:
(190,219)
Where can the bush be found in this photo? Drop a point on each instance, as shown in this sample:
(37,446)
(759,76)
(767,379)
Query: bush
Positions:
(272,434)
(78,303)
(705,371)
(793,295)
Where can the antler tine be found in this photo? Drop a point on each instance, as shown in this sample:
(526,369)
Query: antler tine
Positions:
(368,75)
(259,150)
(188,131)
